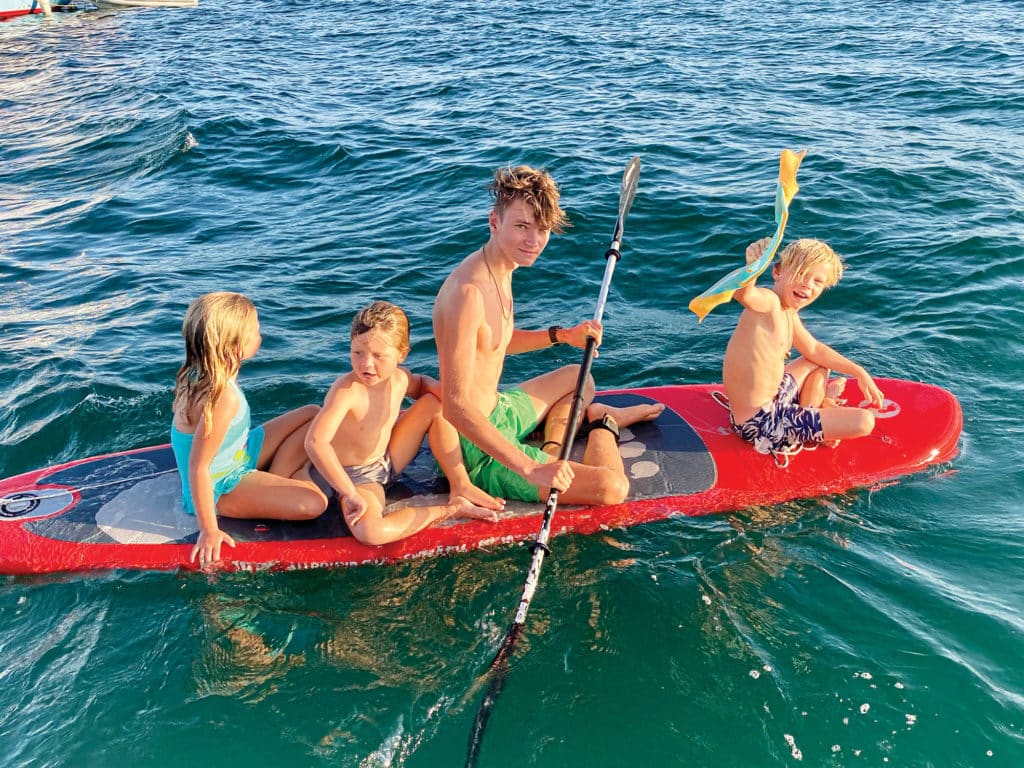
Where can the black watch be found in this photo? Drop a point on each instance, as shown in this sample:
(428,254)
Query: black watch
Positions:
(553,334)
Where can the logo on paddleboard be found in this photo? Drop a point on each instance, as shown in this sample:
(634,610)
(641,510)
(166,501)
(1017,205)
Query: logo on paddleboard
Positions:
(889,409)
(18,504)
(29,505)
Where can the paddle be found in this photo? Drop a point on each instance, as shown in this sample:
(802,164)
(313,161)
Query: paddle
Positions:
(499,666)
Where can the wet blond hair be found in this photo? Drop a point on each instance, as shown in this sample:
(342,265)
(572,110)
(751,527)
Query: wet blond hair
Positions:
(534,187)
(802,255)
(216,329)
(386,318)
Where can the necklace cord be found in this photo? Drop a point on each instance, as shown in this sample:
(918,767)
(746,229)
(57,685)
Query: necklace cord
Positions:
(501,303)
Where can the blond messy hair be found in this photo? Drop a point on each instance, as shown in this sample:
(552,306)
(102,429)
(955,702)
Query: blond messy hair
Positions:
(802,255)
(215,329)
(535,188)
(386,318)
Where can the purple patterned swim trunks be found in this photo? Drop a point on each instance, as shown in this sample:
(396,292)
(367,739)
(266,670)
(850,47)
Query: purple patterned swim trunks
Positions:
(782,424)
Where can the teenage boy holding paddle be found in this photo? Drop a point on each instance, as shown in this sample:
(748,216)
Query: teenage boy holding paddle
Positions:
(474,330)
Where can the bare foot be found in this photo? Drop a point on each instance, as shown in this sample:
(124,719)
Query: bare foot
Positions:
(624,417)
(477,497)
(464,509)
(832,392)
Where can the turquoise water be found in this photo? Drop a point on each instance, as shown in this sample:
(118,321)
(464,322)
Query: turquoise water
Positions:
(318,156)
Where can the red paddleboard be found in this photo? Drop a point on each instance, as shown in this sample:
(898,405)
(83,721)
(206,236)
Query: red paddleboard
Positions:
(123,510)
(9,9)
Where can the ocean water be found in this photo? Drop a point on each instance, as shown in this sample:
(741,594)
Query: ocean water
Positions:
(317,156)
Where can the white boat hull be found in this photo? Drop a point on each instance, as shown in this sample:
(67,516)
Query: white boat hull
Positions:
(146,3)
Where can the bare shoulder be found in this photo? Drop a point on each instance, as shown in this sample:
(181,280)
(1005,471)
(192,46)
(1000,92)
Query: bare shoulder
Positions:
(226,403)
(345,381)
(402,377)
(456,302)
(757,299)
(345,389)
(222,412)
(462,279)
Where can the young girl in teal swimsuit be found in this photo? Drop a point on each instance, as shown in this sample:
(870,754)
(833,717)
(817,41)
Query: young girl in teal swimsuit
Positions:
(226,467)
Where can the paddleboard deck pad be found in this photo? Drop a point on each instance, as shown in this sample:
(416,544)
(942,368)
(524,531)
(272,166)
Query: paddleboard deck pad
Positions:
(123,510)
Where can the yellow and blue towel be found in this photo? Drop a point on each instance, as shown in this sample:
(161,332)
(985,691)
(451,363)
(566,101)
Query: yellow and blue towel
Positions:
(722,291)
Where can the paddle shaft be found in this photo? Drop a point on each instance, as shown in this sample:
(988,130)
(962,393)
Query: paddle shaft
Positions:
(540,547)
(499,665)
(575,412)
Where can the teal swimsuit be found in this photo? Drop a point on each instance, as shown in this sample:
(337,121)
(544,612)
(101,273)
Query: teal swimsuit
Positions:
(236,457)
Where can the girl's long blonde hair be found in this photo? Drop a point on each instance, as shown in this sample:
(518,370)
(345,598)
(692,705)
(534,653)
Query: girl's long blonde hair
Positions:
(215,330)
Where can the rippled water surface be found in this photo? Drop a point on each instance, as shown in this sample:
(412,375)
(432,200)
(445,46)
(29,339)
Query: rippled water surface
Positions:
(317,156)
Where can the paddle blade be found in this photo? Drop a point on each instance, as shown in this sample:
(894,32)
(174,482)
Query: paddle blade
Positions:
(626,194)
(785,190)
(628,191)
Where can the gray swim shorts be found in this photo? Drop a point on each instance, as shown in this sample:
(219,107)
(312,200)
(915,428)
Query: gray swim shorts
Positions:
(380,471)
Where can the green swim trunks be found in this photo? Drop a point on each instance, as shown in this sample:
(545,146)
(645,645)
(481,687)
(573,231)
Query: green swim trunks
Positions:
(515,417)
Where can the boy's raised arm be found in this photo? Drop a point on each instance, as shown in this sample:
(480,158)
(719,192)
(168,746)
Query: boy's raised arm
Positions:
(750,296)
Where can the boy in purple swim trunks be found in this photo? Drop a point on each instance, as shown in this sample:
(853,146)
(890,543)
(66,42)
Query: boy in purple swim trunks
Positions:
(775,406)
